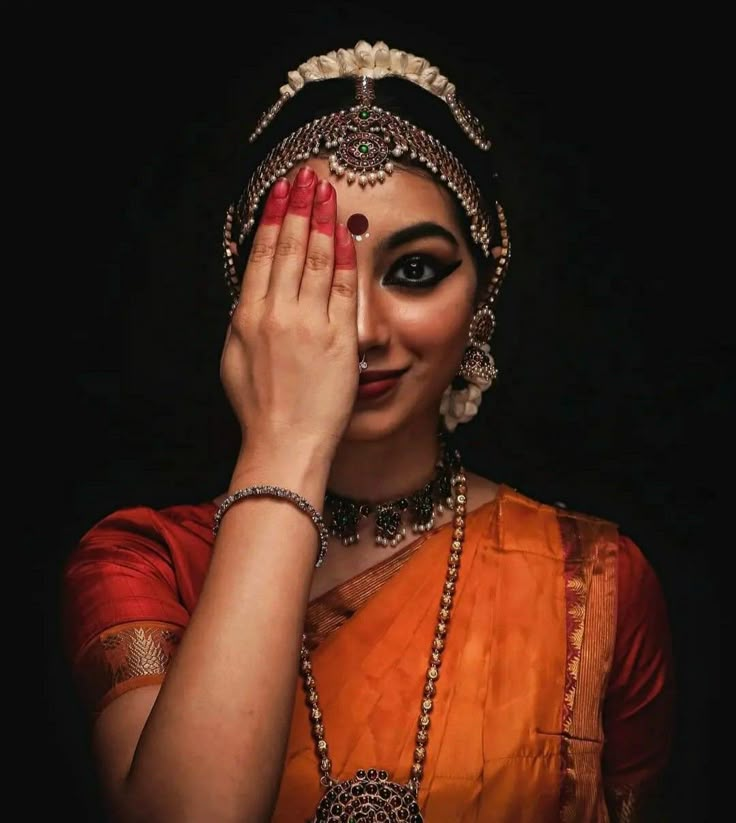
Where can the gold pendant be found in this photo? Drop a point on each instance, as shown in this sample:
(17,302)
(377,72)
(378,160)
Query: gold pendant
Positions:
(369,796)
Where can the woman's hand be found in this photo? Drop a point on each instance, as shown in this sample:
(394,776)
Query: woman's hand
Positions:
(290,361)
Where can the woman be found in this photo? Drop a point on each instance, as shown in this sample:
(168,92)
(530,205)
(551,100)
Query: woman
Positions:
(358,628)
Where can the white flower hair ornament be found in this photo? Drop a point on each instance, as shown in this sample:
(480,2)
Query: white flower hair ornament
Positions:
(377,61)
(363,143)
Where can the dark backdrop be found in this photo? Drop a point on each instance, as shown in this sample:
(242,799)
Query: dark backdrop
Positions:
(608,397)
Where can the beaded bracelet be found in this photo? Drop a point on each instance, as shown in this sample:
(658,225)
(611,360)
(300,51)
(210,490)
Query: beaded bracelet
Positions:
(286,494)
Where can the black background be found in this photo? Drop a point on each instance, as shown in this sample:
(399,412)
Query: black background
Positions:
(609,396)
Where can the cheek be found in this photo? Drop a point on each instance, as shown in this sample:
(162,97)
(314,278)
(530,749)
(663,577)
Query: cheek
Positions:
(436,328)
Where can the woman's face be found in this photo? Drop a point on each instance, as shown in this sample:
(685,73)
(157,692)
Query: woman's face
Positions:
(416,288)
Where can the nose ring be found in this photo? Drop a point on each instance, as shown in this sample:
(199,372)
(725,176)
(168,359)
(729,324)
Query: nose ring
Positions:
(362,365)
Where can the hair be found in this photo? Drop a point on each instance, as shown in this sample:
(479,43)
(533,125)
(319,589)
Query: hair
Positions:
(402,98)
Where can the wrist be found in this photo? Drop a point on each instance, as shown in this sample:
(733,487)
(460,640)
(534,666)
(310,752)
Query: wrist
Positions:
(303,470)
(281,493)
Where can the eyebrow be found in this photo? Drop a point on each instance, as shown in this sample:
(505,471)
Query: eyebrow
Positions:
(416,232)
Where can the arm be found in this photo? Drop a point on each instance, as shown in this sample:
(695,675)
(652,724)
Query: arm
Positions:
(639,706)
(210,742)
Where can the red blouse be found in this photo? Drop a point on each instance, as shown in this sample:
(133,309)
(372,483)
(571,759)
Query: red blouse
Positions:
(145,568)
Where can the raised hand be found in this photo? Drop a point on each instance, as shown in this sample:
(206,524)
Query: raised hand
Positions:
(289,365)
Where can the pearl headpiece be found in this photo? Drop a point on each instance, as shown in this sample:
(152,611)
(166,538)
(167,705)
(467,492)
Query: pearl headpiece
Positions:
(377,61)
(363,143)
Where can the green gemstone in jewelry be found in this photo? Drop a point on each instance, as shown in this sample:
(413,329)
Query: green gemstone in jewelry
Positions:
(364,148)
(364,114)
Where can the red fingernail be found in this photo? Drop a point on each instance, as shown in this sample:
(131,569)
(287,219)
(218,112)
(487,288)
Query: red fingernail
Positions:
(323,193)
(344,248)
(305,176)
(277,203)
(323,213)
(302,192)
(280,188)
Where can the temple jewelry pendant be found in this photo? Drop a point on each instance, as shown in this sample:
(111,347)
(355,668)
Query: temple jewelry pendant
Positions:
(388,525)
(422,506)
(346,515)
(369,796)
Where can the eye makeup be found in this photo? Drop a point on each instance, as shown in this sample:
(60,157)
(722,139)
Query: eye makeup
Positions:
(419,270)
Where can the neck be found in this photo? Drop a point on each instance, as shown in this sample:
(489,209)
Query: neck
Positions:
(374,471)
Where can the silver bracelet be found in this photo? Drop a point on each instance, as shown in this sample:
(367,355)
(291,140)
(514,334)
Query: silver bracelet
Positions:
(286,494)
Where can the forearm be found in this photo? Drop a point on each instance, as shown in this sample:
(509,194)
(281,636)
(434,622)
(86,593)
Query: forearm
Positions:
(214,745)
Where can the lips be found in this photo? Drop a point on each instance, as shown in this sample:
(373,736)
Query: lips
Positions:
(376,383)
(376,375)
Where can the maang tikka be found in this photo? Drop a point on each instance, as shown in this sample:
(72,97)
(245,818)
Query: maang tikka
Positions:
(355,137)
(363,144)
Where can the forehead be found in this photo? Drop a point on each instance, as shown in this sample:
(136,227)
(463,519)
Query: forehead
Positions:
(404,198)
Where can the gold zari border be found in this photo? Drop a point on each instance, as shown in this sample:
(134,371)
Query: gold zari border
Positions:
(125,657)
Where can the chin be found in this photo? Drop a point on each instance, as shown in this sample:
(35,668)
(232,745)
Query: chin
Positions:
(367,424)
(371,425)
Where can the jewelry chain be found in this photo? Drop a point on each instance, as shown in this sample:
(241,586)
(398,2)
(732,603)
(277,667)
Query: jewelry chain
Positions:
(435,659)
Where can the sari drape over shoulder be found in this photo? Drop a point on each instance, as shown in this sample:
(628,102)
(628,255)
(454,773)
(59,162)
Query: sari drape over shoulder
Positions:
(554,698)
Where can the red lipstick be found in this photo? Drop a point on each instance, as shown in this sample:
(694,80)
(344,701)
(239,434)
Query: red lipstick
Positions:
(376,383)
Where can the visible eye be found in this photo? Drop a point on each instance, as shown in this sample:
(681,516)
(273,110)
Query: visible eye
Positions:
(419,271)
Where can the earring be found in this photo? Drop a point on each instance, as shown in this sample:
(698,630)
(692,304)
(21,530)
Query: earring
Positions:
(477,365)
(477,370)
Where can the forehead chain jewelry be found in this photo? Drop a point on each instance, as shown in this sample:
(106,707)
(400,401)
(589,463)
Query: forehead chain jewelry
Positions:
(363,144)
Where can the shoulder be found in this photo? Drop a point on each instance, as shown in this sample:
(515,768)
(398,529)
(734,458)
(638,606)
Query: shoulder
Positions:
(135,564)
(640,592)
(512,498)
(142,534)
(636,577)
(183,515)
(155,521)
(481,490)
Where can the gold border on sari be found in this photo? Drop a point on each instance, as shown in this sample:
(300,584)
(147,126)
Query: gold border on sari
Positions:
(329,611)
(124,657)
(590,551)
(326,613)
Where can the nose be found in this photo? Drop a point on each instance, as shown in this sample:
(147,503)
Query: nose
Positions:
(373,326)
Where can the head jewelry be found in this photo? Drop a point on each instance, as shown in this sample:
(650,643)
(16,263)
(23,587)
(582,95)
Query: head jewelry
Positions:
(364,143)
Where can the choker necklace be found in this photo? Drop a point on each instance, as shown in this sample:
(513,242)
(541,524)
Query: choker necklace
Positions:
(422,505)
(371,794)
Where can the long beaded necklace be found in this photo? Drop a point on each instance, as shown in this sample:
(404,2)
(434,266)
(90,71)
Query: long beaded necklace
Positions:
(371,795)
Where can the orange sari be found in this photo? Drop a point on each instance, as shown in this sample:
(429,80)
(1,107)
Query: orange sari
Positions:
(549,707)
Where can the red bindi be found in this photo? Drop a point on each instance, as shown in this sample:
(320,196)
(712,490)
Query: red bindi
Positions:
(357,224)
